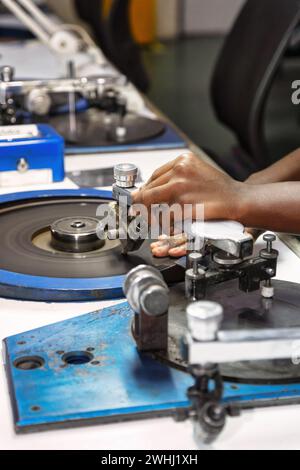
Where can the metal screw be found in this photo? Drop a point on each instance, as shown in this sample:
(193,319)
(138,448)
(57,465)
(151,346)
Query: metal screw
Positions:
(269,238)
(270,272)
(22,165)
(194,259)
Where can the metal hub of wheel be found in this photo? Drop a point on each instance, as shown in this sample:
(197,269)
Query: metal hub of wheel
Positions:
(76,234)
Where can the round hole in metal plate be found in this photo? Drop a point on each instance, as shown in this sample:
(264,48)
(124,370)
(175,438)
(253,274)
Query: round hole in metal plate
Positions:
(76,358)
(29,362)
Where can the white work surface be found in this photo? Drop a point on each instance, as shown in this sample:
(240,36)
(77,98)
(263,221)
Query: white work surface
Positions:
(275,428)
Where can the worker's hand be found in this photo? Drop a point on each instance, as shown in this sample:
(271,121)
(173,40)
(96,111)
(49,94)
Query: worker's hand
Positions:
(188,180)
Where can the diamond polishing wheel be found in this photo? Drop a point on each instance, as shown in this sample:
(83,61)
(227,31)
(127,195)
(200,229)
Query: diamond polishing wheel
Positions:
(50,251)
(94,129)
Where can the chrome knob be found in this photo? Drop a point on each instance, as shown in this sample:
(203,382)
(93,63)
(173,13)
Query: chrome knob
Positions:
(269,238)
(146,291)
(204,320)
(125,175)
(7,73)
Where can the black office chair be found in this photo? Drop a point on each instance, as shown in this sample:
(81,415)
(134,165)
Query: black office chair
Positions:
(114,37)
(92,13)
(124,51)
(244,74)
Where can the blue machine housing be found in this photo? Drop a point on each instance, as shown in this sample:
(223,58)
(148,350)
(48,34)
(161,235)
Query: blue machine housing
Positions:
(88,370)
(46,151)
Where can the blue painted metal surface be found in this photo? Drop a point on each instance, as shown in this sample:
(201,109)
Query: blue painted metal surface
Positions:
(118,383)
(43,152)
(55,289)
(169,140)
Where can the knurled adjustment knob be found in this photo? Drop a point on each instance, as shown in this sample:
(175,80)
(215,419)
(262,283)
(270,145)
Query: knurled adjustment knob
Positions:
(269,252)
(125,175)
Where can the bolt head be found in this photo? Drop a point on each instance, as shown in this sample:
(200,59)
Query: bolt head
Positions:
(204,319)
(269,237)
(195,257)
(155,300)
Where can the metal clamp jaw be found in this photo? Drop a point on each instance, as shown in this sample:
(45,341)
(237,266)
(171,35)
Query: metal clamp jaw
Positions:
(125,175)
(206,346)
(220,265)
(227,236)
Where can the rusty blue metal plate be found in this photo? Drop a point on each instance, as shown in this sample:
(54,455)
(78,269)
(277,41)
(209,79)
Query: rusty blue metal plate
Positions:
(88,370)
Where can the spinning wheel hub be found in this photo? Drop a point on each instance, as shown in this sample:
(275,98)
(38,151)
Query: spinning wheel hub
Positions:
(76,234)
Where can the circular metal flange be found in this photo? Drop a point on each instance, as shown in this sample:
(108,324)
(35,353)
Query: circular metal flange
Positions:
(225,259)
(76,234)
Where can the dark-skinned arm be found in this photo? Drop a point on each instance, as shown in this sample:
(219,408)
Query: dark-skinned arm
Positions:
(286,169)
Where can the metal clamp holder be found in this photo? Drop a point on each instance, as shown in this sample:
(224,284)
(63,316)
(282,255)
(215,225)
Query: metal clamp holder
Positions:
(206,346)
(148,296)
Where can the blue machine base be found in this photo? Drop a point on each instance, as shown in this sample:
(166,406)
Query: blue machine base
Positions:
(116,384)
(169,140)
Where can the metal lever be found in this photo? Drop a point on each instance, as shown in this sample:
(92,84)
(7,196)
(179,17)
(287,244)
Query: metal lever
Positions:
(206,347)
(234,346)
(64,39)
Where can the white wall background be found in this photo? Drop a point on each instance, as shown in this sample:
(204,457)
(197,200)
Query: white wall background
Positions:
(209,16)
(168,18)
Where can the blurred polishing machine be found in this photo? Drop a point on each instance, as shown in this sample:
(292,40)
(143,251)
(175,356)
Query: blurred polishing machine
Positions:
(93,114)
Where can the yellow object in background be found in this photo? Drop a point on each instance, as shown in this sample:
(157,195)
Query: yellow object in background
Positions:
(143,19)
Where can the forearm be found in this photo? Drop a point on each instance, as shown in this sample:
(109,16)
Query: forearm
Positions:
(270,207)
(287,169)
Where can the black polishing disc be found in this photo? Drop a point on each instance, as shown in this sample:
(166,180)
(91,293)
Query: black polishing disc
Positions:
(244,311)
(25,246)
(93,131)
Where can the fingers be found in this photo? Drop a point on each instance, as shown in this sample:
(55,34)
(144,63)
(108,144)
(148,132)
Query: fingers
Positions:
(179,251)
(160,181)
(148,197)
(160,171)
(169,246)
(161,252)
